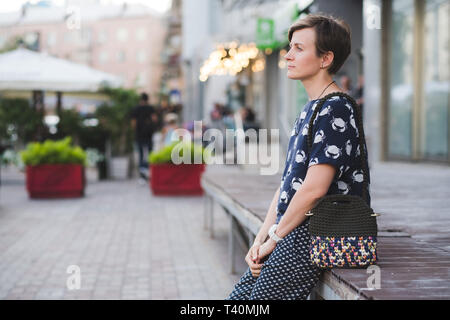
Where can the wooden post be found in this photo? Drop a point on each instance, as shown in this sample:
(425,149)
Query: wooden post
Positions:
(231,251)
(58,103)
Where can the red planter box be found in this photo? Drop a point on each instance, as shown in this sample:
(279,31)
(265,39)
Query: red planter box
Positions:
(170,179)
(55,181)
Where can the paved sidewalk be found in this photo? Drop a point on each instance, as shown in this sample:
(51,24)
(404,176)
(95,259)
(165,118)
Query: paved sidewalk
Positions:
(127,243)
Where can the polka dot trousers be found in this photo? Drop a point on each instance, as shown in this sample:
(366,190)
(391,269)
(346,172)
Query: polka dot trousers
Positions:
(288,274)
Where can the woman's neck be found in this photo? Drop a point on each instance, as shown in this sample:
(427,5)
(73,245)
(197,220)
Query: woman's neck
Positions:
(315,86)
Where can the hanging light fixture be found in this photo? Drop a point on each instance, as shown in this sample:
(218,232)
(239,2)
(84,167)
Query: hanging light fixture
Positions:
(229,59)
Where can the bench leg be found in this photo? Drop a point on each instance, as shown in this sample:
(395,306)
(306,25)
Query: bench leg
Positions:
(231,243)
(205,211)
(211,218)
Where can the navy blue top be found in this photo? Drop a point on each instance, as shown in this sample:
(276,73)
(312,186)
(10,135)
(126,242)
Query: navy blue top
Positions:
(335,142)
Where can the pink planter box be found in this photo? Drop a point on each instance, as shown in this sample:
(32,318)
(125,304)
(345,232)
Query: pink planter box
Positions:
(55,181)
(170,179)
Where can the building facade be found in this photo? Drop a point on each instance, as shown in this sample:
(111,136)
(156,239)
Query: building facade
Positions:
(123,40)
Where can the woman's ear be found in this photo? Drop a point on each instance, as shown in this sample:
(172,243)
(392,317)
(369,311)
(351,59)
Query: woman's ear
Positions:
(327,60)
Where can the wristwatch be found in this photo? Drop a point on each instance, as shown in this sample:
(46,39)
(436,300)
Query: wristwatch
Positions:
(272,234)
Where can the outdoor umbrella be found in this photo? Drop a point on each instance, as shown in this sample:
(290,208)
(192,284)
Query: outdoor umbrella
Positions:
(24,69)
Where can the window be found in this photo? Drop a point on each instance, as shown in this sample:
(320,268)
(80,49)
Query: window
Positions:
(102,37)
(121,56)
(419,109)
(141,56)
(103,57)
(141,34)
(85,36)
(141,79)
(122,34)
(435,111)
(402,78)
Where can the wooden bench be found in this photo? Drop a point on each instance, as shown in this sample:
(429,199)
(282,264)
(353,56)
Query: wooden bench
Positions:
(408,269)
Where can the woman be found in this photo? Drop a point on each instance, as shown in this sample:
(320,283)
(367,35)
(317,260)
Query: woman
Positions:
(279,264)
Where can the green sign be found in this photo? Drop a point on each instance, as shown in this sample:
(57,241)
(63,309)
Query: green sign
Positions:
(265,34)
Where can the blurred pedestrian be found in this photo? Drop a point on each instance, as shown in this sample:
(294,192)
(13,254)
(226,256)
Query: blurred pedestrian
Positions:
(358,94)
(168,131)
(346,84)
(249,119)
(216,113)
(144,121)
(228,119)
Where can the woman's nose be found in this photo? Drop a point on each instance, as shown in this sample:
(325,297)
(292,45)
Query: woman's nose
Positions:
(287,56)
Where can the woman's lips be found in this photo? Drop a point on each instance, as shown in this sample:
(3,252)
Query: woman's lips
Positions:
(291,67)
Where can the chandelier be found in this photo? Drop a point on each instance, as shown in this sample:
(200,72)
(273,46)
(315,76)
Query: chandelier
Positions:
(231,59)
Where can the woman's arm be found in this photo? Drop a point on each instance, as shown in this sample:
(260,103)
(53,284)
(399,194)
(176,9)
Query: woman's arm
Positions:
(317,182)
(270,219)
(252,256)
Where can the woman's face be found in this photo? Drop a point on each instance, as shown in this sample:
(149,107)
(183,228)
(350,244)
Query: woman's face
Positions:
(302,61)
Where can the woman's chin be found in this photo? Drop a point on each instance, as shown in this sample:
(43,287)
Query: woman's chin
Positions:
(293,76)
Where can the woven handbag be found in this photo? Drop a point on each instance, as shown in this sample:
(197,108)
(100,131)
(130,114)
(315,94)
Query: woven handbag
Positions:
(343,228)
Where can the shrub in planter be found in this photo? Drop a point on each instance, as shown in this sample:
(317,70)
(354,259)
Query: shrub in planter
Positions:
(54,169)
(168,178)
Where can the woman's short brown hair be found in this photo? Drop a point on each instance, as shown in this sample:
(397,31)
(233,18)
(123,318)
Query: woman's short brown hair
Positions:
(332,34)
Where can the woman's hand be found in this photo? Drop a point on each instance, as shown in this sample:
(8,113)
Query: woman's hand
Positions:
(266,248)
(252,259)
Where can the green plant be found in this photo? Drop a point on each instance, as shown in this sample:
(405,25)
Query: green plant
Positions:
(18,120)
(53,152)
(165,154)
(115,118)
(70,124)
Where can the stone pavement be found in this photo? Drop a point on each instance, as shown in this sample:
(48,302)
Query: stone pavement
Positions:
(127,243)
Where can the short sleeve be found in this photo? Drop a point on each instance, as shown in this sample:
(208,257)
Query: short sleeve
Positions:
(334,135)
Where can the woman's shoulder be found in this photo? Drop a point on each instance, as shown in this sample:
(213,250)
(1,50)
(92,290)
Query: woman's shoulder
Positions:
(337,104)
(339,98)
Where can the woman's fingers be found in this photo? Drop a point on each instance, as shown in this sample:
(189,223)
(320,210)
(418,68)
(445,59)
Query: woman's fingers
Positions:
(255,252)
(256,274)
(256,266)
(252,260)
(255,269)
